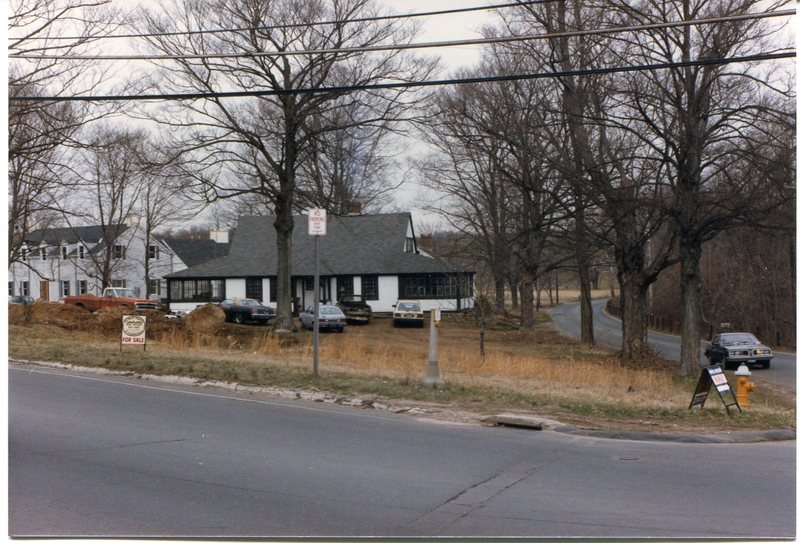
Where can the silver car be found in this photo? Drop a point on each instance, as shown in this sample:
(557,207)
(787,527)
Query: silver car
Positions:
(330,318)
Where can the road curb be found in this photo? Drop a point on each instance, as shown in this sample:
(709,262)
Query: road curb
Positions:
(517,420)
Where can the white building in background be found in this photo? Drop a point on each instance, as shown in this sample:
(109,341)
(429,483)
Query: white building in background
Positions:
(66,261)
(374,255)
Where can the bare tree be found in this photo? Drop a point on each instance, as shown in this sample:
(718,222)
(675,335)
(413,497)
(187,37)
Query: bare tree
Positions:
(695,117)
(259,144)
(112,180)
(42,135)
(352,165)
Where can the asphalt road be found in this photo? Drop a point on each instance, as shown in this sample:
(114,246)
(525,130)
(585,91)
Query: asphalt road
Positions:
(608,331)
(99,456)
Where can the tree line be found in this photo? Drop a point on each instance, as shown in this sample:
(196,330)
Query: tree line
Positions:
(646,166)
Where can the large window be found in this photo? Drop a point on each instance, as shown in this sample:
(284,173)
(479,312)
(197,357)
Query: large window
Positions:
(436,286)
(369,287)
(65,288)
(119,252)
(254,288)
(197,290)
(155,287)
(152,252)
(25,288)
(83,286)
(344,286)
(273,289)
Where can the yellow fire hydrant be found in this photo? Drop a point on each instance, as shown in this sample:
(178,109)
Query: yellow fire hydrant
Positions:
(743,385)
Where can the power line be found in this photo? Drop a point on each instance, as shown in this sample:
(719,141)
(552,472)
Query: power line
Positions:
(409,84)
(312,24)
(428,45)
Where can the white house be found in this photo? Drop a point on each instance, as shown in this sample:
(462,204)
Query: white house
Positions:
(66,261)
(373,255)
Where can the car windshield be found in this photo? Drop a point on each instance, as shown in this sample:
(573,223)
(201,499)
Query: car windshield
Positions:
(122,293)
(330,311)
(408,306)
(351,299)
(248,302)
(738,339)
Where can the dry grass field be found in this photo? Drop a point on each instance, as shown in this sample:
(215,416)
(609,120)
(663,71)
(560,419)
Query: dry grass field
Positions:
(538,372)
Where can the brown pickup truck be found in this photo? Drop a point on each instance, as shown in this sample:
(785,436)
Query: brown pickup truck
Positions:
(112,297)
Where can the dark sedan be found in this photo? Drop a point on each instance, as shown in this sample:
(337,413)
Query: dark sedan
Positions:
(736,348)
(330,318)
(241,310)
(355,308)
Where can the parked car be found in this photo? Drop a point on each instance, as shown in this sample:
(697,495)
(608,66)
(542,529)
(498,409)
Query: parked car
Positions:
(408,312)
(112,297)
(736,348)
(330,318)
(355,308)
(20,300)
(240,310)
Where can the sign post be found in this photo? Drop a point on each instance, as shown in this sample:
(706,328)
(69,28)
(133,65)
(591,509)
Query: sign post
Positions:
(317,226)
(713,375)
(134,331)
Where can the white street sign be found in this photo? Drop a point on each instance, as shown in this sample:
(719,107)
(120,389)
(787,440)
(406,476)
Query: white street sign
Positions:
(317,222)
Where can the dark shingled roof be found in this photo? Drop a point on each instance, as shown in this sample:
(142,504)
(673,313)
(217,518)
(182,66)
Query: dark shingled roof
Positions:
(354,245)
(196,251)
(73,234)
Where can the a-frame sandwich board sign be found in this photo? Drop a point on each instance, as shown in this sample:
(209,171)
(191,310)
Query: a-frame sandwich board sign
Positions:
(713,375)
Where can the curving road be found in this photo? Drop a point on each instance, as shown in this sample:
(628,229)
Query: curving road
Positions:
(608,331)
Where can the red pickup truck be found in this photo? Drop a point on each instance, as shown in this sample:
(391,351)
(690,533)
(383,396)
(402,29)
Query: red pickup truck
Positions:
(112,297)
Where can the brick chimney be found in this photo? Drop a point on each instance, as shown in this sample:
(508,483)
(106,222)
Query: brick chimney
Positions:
(426,241)
(354,208)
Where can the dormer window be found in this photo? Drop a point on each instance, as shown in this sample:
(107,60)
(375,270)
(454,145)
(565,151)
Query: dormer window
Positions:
(81,252)
(64,252)
(43,253)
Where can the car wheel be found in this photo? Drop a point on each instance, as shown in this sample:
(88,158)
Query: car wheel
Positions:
(766,364)
(730,365)
(237,318)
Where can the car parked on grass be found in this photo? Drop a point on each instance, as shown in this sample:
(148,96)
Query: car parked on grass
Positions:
(20,300)
(330,318)
(241,310)
(408,312)
(355,308)
(735,348)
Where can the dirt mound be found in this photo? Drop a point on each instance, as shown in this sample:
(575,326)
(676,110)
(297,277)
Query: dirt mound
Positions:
(65,316)
(109,319)
(205,320)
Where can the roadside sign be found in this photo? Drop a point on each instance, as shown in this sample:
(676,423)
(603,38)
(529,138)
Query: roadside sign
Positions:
(317,222)
(134,330)
(713,375)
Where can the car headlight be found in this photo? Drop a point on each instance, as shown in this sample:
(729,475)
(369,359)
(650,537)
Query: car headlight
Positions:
(762,351)
(739,353)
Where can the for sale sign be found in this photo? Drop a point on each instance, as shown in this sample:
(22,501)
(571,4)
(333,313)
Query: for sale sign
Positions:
(714,376)
(134,330)
(317,222)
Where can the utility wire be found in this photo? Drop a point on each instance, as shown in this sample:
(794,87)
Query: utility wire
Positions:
(409,84)
(428,45)
(312,24)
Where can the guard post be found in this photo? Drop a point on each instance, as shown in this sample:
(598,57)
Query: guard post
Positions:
(433,379)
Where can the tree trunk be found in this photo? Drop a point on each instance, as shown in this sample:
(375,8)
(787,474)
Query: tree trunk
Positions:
(284,225)
(500,295)
(690,318)
(633,295)
(527,302)
(584,274)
